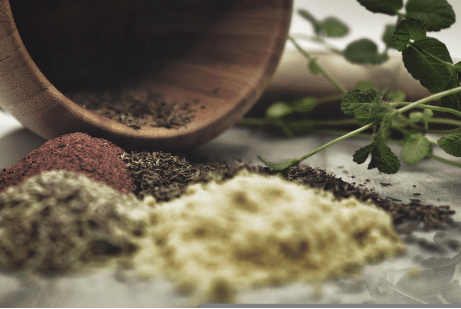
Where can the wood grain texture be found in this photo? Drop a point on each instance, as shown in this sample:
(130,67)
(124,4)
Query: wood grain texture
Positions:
(219,52)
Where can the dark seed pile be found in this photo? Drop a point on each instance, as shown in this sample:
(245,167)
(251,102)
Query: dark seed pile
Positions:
(165,177)
(159,174)
(136,108)
(429,216)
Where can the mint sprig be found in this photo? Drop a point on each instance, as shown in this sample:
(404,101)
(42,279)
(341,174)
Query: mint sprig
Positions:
(426,59)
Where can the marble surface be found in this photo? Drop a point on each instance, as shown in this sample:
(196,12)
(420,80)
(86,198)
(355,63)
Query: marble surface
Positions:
(386,283)
(383,283)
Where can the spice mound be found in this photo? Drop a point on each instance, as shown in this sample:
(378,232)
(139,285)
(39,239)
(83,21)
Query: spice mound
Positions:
(95,157)
(255,230)
(62,220)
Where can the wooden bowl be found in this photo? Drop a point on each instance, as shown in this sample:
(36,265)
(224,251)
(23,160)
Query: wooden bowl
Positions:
(219,53)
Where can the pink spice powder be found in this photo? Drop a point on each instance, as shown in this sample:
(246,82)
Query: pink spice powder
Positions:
(96,158)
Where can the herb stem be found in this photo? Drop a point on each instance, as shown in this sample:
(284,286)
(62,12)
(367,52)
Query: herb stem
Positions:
(440,159)
(331,98)
(339,139)
(324,72)
(430,98)
(446,121)
(318,40)
(442,109)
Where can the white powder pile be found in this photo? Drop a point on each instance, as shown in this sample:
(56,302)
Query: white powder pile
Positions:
(255,231)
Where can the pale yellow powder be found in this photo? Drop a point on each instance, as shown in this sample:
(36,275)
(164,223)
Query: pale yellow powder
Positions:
(257,230)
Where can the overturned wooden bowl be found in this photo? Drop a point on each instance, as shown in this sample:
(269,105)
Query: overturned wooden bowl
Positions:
(221,54)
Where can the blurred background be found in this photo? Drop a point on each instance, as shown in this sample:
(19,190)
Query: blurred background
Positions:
(16,141)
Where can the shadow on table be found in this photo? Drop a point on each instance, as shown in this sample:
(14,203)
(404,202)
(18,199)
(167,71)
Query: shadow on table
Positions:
(217,152)
(16,145)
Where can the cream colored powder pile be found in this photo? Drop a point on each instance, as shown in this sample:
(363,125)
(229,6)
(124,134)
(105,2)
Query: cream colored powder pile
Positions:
(255,231)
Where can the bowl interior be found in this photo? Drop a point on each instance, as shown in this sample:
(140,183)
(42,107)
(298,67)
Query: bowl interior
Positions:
(216,55)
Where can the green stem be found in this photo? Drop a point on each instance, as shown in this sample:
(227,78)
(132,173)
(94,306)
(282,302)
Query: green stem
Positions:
(266,121)
(446,121)
(330,98)
(430,98)
(339,139)
(327,75)
(442,109)
(431,107)
(440,159)
(318,40)
(339,122)
(435,157)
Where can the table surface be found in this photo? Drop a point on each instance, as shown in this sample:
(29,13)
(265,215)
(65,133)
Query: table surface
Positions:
(438,184)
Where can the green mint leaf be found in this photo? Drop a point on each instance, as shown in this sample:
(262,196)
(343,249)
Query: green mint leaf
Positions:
(357,99)
(366,85)
(365,105)
(399,122)
(361,155)
(457,67)
(451,143)
(358,103)
(310,18)
(333,27)
(415,117)
(278,110)
(454,100)
(427,115)
(314,67)
(388,34)
(389,7)
(364,51)
(377,106)
(421,64)
(281,166)
(396,96)
(383,158)
(387,120)
(415,148)
(436,14)
(406,30)
(304,105)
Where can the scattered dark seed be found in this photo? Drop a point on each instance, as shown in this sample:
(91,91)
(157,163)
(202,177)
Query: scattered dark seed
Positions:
(136,108)
(166,177)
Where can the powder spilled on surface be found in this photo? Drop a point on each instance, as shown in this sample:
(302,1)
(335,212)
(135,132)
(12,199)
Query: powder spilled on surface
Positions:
(61,220)
(219,238)
(255,230)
